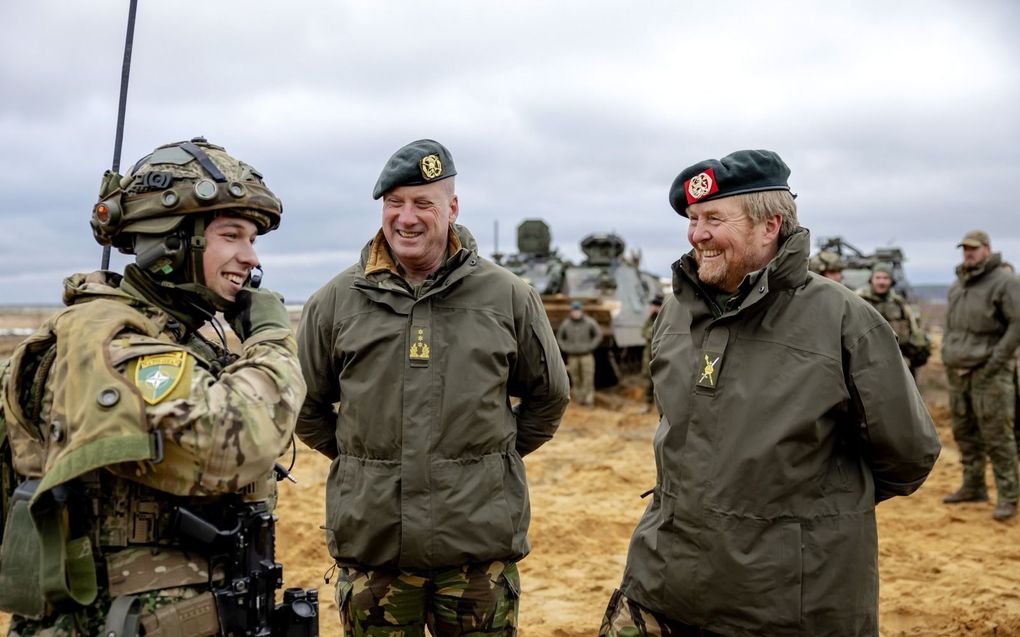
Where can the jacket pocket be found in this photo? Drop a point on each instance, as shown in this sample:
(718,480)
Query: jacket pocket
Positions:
(751,571)
(471,513)
(363,510)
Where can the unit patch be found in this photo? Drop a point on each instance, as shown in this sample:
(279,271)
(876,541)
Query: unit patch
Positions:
(700,186)
(709,366)
(420,347)
(431,166)
(157,375)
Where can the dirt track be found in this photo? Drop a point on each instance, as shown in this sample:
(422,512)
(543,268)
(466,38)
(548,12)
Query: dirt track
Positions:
(944,570)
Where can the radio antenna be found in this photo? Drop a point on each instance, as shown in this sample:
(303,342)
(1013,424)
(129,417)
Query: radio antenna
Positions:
(125,73)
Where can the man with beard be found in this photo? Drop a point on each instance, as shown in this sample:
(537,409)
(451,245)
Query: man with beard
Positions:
(979,352)
(423,343)
(787,415)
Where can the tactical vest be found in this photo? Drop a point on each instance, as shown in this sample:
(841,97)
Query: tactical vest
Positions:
(80,441)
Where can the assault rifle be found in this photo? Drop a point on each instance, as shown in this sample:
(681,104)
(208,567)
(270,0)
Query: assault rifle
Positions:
(244,573)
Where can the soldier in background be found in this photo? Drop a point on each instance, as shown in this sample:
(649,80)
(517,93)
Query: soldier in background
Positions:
(979,351)
(828,264)
(122,416)
(646,355)
(423,343)
(915,345)
(579,335)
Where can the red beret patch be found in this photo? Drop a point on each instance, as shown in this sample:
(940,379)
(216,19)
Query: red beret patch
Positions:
(700,186)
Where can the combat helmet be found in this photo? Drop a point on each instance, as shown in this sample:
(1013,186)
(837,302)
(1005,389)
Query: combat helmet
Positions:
(826,261)
(883,266)
(144,212)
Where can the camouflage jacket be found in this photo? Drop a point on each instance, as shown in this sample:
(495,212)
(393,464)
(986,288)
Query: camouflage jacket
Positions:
(901,317)
(983,316)
(107,396)
(786,416)
(427,469)
(579,337)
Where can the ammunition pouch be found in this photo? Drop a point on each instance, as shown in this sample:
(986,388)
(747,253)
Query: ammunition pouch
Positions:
(40,566)
(20,556)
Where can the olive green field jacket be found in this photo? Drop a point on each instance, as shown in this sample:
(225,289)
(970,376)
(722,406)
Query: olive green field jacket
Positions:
(426,448)
(582,336)
(786,416)
(983,316)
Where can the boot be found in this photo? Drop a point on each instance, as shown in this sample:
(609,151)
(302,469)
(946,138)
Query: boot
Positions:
(966,494)
(1004,511)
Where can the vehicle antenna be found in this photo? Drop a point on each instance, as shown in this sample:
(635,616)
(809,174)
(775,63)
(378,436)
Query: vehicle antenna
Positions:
(125,72)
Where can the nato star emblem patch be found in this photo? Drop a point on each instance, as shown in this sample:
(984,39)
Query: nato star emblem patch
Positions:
(157,375)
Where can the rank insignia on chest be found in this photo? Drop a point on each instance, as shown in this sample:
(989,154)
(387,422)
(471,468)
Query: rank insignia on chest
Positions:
(157,375)
(419,353)
(709,365)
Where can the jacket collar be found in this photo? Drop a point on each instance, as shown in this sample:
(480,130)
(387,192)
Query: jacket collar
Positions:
(991,264)
(787,270)
(376,256)
(111,286)
(381,272)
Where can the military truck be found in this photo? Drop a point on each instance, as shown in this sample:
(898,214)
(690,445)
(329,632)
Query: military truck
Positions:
(858,265)
(610,284)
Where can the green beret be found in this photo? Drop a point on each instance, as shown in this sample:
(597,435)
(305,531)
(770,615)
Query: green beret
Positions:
(735,174)
(420,162)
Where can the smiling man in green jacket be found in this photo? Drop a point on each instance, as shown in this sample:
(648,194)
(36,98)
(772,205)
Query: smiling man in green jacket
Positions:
(787,415)
(423,343)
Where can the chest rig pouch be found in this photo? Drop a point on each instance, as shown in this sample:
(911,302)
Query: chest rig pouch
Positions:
(66,414)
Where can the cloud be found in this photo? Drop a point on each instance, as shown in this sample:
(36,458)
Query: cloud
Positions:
(895,118)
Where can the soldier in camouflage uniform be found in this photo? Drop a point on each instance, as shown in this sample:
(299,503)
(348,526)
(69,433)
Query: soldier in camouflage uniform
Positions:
(979,352)
(122,417)
(913,341)
(578,336)
(422,344)
(828,264)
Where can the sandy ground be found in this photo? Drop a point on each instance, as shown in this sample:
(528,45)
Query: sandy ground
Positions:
(944,570)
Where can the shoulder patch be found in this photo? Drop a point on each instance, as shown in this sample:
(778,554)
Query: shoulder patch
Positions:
(156,375)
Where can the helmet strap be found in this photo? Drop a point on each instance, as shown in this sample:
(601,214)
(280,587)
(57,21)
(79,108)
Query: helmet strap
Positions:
(197,244)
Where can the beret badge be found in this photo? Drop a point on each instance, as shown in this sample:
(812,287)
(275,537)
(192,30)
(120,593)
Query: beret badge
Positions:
(701,185)
(431,166)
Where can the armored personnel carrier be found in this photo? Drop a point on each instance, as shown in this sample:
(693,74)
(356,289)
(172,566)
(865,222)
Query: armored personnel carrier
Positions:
(610,285)
(616,293)
(536,261)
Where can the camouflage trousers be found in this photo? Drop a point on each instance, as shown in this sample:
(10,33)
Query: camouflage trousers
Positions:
(90,620)
(982,404)
(627,618)
(475,599)
(581,368)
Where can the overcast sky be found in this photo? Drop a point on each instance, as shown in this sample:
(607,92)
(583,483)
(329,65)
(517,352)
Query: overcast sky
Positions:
(899,120)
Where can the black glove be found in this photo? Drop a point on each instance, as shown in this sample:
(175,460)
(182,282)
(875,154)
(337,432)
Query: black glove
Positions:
(255,310)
